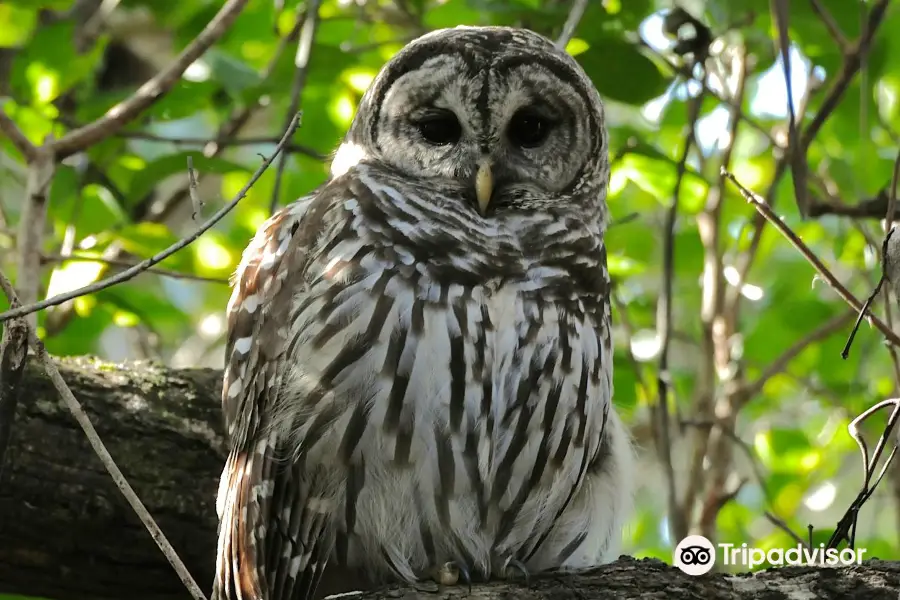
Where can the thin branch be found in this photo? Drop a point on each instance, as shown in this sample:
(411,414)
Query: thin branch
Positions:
(831,25)
(139,268)
(575,15)
(664,324)
(238,118)
(890,210)
(868,208)
(121,114)
(15,135)
(888,228)
(712,454)
(30,238)
(780,524)
(231,127)
(849,68)
(113,262)
(852,63)
(103,454)
(780,12)
(826,274)
(301,68)
(203,142)
(780,364)
(193,189)
(846,527)
(688,75)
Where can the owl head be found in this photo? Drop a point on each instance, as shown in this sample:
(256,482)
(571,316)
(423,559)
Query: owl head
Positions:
(497,117)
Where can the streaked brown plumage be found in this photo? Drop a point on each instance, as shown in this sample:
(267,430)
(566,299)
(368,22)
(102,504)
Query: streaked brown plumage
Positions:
(419,364)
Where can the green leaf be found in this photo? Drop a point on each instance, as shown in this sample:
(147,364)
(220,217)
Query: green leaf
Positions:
(156,171)
(145,240)
(235,75)
(18,23)
(139,302)
(621,72)
(49,66)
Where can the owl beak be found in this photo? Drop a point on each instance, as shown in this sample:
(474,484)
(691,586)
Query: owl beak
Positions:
(484,185)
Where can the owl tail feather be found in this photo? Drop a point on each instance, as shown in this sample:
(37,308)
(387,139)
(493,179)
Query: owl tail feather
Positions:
(238,555)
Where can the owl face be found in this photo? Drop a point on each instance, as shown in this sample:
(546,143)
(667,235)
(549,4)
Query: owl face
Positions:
(497,117)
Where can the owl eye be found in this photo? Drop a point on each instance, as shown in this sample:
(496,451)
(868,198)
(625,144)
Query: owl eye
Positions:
(439,127)
(527,129)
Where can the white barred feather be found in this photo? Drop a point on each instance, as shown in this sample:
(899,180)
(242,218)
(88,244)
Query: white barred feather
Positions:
(409,383)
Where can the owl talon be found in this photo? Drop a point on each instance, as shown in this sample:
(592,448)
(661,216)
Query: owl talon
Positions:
(451,572)
(516,564)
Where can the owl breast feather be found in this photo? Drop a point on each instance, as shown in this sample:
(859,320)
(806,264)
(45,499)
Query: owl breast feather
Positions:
(472,402)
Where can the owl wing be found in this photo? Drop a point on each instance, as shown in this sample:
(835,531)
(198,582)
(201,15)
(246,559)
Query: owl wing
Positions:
(275,534)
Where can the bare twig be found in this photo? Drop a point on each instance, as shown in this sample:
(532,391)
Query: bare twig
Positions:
(301,68)
(103,454)
(94,24)
(852,62)
(231,127)
(780,13)
(862,312)
(831,25)
(664,325)
(137,269)
(571,24)
(745,448)
(688,75)
(712,454)
(846,528)
(888,229)
(113,262)
(874,207)
(15,135)
(154,89)
(204,142)
(826,274)
(849,68)
(162,210)
(780,524)
(193,190)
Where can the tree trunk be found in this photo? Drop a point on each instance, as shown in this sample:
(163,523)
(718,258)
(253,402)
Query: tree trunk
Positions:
(66,532)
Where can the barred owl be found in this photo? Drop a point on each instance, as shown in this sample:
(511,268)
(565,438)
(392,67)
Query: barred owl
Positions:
(419,361)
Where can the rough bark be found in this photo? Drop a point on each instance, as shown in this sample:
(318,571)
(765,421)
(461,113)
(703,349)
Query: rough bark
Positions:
(66,532)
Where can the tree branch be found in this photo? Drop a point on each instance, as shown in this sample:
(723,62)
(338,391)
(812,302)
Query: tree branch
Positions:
(780,364)
(301,68)
(75,408)
(66,534)
(808,254)
(571,24)
(15,135)
(831,25)
(143,266)
(121,114)
(663,435)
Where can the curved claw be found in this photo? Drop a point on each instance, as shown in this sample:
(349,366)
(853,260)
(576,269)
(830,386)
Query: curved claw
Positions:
(451,572)
(516,564)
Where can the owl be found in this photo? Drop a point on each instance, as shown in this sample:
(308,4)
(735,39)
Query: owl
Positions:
(419,361)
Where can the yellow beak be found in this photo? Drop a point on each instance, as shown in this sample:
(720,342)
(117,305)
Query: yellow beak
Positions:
(484,186)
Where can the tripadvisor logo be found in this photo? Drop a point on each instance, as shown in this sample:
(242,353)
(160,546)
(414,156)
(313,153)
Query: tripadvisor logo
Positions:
(696,555)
